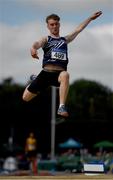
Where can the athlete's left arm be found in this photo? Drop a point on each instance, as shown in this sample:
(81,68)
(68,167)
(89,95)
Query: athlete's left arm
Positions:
(72,35)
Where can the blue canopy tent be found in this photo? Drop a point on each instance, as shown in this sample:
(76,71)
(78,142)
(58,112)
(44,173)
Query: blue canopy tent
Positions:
(70,143)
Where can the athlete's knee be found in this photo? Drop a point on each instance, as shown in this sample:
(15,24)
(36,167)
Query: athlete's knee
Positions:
(25,97)
(65,75)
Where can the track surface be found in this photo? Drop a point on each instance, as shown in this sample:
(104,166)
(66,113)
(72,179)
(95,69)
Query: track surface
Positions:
(68,177)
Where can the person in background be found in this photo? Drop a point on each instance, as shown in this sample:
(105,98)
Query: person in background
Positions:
(31,152)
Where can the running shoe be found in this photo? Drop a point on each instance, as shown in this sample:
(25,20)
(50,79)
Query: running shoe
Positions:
(33,77)
(62,111)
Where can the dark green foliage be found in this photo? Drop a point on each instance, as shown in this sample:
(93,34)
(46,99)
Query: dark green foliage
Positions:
(90,105)
(89,100)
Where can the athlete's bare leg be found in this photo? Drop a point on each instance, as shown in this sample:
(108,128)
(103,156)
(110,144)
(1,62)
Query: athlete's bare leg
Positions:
(64,86)
(27,95)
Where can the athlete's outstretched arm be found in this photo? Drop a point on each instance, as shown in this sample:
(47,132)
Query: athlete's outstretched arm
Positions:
(37,45)
(72,35)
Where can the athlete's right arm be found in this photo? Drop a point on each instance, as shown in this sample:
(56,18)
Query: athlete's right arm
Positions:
(37,45)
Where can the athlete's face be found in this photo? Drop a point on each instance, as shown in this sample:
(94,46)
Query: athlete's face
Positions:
(53,26)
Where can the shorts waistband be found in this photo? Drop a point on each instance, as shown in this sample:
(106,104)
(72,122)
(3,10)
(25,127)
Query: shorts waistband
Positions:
(48,70)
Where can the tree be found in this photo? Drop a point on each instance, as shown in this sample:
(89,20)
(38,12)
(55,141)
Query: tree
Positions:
(89,100)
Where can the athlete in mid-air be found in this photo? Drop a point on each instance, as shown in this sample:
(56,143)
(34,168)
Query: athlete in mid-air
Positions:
(55,61)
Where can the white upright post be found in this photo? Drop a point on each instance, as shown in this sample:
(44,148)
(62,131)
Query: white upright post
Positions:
(53,122)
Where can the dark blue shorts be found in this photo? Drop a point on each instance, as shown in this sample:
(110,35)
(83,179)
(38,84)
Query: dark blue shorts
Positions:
(44,80)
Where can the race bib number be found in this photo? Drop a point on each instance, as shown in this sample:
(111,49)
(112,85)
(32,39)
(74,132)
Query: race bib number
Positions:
(58,55)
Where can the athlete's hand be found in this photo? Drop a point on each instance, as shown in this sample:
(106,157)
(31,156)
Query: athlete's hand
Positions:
(34,53)
(95,15)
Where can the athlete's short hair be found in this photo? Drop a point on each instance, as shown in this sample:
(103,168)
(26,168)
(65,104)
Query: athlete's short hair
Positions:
(52,16)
